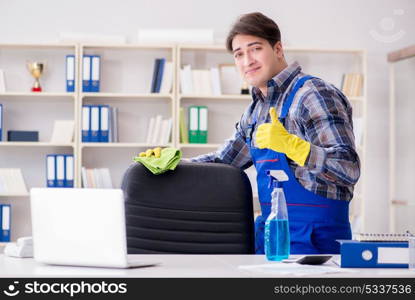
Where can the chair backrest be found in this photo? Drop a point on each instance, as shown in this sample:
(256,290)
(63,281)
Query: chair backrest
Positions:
(199,208)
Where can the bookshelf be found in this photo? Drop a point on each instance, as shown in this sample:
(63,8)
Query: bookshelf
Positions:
(223,110)
(25,110)
(126,74)
(401,142)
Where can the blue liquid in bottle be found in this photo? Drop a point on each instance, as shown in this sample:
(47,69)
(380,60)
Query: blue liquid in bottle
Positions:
(277,239)
(277,232)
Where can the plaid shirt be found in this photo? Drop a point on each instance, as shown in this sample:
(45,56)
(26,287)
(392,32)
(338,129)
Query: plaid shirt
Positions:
(319,114)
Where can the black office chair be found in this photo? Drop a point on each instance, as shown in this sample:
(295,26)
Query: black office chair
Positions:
(199,208)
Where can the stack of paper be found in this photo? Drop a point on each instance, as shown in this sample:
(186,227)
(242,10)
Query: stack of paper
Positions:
(12,182)
(230,79)
(96,178)
(200,82)
(186,80)
(159,131)
(63,132)
(283,269)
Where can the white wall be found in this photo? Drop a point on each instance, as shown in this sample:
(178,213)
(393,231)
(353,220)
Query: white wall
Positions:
(318,23)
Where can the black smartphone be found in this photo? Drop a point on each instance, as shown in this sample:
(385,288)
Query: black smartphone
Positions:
(309,259)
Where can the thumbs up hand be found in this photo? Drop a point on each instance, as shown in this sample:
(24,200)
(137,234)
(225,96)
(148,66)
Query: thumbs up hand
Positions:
(274,136)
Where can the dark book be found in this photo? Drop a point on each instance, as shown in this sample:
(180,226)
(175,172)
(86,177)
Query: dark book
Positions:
(22,136)
(160,72)
(155,72)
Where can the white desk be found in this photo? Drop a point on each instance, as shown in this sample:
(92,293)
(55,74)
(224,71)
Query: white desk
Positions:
(177,266)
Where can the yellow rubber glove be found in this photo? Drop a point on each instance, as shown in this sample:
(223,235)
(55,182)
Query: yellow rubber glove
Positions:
(150,152)
(274,136)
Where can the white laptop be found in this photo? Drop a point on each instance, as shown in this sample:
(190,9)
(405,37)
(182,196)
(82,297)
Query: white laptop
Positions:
(80,227)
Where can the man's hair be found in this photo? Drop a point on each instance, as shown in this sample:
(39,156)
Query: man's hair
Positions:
(255,24)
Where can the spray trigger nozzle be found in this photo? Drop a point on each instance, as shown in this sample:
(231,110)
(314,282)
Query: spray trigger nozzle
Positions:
(276,178)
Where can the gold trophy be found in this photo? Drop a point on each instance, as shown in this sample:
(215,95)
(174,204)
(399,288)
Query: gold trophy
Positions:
(36,69)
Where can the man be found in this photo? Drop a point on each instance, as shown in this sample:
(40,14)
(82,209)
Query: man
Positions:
(312,140)
(296,123)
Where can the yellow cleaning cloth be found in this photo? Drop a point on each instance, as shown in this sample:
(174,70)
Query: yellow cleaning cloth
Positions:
(168,160)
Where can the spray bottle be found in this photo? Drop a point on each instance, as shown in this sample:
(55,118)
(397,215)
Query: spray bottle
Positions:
(277,232)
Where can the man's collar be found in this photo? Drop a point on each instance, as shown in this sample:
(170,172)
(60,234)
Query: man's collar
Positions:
(281,81)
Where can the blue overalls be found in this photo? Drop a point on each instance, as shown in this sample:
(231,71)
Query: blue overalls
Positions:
(315,222)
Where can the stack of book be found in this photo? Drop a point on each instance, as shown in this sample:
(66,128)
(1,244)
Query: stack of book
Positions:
(12,182)
(162,76)
(159,131)
(96,178)
(59,170)
(216,81)
(352,84)
(99,124)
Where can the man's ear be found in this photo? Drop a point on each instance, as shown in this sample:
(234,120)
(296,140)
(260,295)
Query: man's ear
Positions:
(278,49)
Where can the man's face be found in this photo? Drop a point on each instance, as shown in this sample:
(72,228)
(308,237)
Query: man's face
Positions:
(256,60)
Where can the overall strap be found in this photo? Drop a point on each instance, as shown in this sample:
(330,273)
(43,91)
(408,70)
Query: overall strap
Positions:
(287,104)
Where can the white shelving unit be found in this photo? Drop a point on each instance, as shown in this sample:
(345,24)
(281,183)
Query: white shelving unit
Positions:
(401,145)
(26,110)
(14,195)
(223,111)
(126,75)
(34,144)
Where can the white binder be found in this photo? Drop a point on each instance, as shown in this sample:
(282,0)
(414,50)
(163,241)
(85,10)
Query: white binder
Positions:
(69,165)
(60,170)
(94,124)
(86,73)
(51,170)
(95,73)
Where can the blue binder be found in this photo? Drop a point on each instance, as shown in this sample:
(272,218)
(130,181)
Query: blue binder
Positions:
(60,170)
(94,124)
(51,171)
(104,116)
(5,222)
(359,254)
(95,73)
(1,122)
(86,123)
(70,73)
(69,171)
(86,73)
